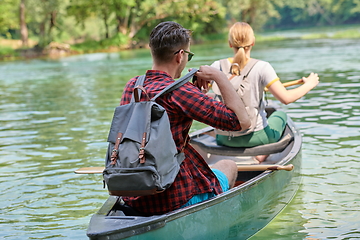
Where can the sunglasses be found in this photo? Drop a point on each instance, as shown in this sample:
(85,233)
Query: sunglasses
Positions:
(190,54)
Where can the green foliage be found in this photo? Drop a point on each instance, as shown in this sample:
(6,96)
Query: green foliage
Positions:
(256,13)
(315,36)
(317,13)
(87,46)
(9,19)
(119,22)
(213,37)
(351,33)
(45,19)
(203,18)
(118,42)
(260,38)
(7,53)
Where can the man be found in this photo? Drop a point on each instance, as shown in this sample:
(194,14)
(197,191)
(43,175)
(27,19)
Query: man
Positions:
(195,182)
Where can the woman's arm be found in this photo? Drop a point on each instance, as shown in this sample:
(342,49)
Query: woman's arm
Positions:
(288,96)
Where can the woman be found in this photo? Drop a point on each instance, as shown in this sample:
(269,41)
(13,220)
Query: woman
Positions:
(262,74)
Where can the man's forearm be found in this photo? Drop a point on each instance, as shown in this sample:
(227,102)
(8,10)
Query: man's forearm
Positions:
(228,93)
(232,101)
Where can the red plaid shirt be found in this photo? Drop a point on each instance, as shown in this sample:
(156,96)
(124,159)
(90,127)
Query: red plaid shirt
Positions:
(182,105)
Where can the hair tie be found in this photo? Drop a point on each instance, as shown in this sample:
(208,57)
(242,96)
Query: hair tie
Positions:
(244,47)
(235,65)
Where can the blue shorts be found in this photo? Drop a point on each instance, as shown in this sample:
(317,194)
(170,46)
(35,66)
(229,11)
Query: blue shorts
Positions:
(224,182)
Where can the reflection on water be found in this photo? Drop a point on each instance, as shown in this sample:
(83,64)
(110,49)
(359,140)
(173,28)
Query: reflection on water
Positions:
(55,116)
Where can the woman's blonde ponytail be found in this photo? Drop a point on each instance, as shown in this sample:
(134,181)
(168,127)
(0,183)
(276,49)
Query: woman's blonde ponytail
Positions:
(241,37)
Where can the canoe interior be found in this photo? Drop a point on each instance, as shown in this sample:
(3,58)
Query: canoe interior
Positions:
(236,214)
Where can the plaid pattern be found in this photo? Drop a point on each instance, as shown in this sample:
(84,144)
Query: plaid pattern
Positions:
(182,105)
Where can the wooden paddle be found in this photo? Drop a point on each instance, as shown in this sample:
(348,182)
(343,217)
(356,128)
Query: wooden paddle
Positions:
(263,167)
(87,170)
(289,84)
(242,168)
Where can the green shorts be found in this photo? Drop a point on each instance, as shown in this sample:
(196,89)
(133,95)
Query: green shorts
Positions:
(270,134)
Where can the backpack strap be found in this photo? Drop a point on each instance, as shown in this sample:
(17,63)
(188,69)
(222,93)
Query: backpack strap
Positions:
(169,88)
(225,67)
(224,64)
(139,82)
(176,84)
(244,73)
(246,70)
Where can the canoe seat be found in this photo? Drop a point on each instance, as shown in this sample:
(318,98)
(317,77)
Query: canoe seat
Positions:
(208,144)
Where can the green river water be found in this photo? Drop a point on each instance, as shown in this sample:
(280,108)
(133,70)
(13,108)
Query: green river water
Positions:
(55,116)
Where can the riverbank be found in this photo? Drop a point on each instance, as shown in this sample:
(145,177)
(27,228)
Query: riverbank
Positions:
(11,50)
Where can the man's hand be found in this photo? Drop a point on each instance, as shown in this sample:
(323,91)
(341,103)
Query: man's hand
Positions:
(205,76)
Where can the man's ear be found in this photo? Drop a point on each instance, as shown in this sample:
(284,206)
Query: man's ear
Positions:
(230,44)
(179,56)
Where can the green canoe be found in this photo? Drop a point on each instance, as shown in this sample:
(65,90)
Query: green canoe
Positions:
(236,214)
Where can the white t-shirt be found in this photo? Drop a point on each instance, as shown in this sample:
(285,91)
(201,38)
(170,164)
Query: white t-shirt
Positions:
(265,75)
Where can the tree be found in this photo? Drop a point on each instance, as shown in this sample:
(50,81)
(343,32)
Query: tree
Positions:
(44,17)
(318,12)
(130,16)
(254,12)
(123,10)
(126,20)
(150,12)
(84,9)
(8,16)
(23,27)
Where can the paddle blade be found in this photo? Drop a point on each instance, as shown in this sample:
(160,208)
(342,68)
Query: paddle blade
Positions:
(286,167)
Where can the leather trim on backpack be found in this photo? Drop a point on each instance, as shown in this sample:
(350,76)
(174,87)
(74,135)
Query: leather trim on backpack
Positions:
(115,151)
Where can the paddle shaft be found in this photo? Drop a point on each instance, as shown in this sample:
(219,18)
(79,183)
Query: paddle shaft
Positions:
(289,84)
(241,168)
(263,167)
(90,170)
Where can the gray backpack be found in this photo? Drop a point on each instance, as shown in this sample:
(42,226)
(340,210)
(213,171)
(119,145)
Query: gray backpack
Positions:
(242,85)
(142,158)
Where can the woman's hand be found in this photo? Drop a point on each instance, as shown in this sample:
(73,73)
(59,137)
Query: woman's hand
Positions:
(288,96)
(312,80)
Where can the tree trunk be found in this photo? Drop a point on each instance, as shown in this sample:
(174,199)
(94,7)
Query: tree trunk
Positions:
(107,35)
(42,41)
(52,21)
(323,14)
(122,24)
(122,21)
(23,28)
(105,16)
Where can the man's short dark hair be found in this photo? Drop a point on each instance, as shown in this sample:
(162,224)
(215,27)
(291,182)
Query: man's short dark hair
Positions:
(167,38)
